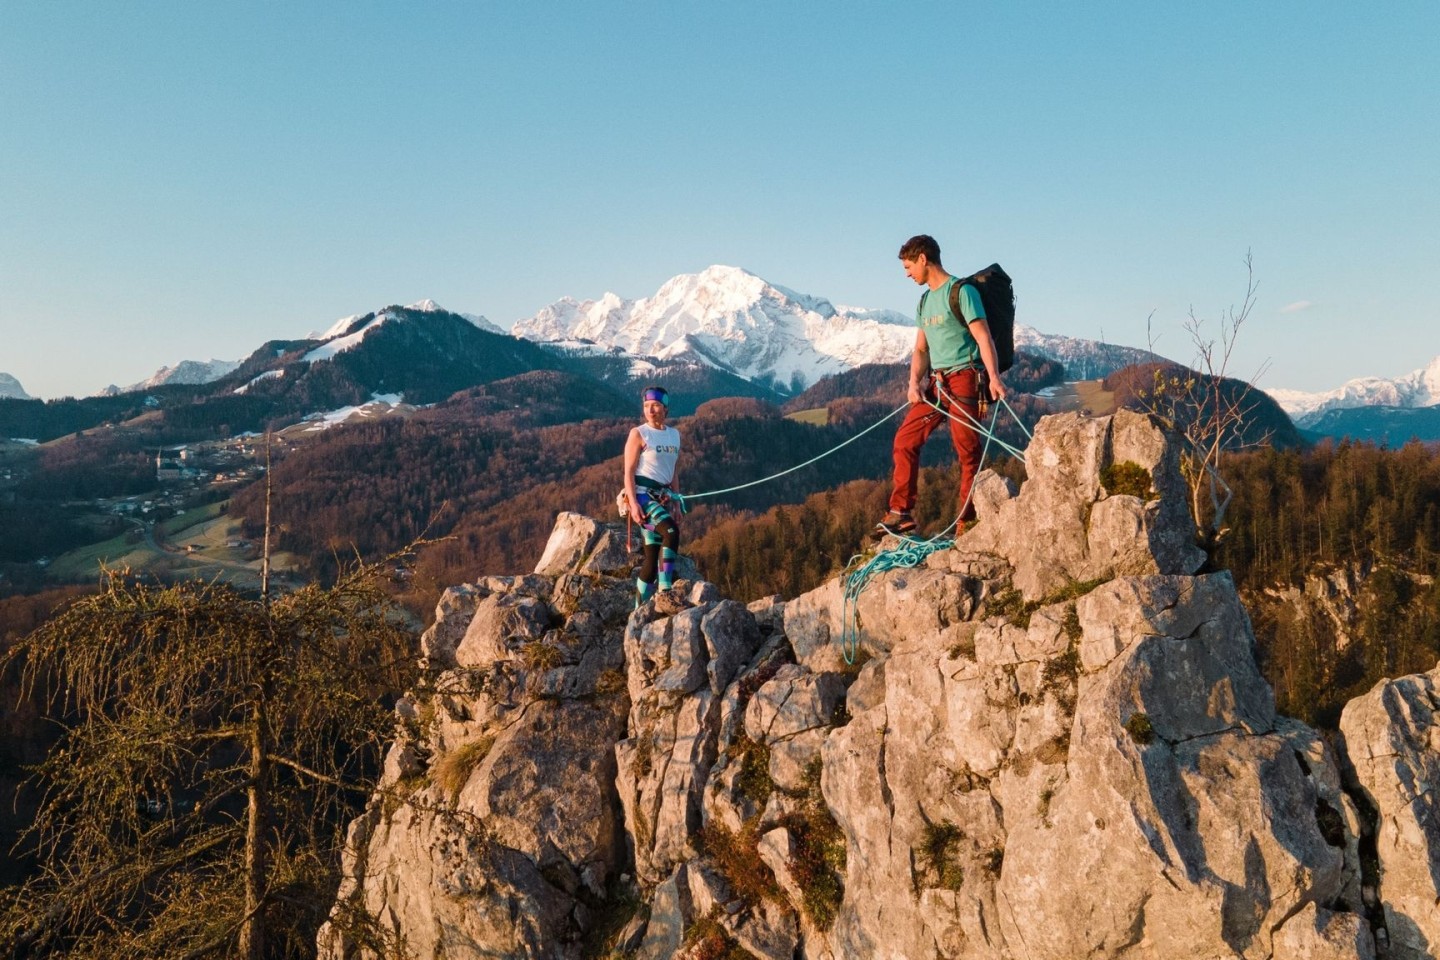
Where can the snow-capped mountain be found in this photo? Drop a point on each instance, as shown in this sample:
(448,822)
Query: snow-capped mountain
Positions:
(735,321)
(10,388)
(342,326)
(186,371)
(1083,359)
(1418,389)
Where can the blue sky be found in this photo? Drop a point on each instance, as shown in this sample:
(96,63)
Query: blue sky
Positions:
(184,181)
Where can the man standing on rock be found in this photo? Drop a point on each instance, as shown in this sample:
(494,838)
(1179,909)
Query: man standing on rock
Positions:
(951,354)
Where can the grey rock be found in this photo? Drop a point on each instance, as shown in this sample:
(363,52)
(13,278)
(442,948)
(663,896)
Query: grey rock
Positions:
(670,912)
(1392,742)
(1319,934)
(813,625)
(688,654)
(769,614)
(452,617)
(570,543)
(768,931)
(1063,528)
(501,626)
(731,639)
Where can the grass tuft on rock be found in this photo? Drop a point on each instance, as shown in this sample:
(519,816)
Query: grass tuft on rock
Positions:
(539,656)
(1012,605)
(610,682)
(940,854)
(454,769)
(737,857)
(817,861)
(753,781)
(1140,728)
(708,940)
(1128,478)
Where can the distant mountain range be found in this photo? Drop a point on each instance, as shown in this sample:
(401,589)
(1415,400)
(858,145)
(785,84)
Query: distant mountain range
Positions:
(1418,389)
(721,332)
(1391,426)
(735,321)
(186,371)
(1371,408)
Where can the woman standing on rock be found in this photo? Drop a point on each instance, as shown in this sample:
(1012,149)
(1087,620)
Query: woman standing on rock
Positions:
(652,455)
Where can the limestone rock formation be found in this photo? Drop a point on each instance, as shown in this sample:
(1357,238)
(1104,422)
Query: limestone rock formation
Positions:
(1392,738)
(1054,743)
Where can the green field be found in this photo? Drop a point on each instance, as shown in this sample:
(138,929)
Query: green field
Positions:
(194,543)
(817,417)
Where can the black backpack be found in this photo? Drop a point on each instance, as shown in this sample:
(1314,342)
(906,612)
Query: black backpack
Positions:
(998,296)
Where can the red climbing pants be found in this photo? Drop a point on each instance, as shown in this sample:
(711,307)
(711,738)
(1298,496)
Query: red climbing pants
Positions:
(921,421)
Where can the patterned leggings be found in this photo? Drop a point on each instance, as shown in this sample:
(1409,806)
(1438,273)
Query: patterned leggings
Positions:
(662,546)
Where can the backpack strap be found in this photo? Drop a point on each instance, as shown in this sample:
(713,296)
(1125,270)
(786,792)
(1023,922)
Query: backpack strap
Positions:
(955,298)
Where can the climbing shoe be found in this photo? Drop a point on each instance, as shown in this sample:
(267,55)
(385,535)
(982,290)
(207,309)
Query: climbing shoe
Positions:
(896,523)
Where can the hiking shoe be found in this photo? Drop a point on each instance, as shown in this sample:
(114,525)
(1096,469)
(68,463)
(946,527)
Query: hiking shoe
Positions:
(896,523)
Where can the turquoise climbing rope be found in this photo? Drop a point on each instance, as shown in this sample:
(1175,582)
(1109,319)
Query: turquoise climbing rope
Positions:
(776,476)
(912,552)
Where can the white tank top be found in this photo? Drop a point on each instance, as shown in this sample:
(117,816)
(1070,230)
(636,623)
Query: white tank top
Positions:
(662,451)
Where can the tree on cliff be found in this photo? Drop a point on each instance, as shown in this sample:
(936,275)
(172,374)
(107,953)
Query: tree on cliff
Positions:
(214,746)
(1211,410)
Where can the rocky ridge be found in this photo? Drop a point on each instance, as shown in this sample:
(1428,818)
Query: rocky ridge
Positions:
(1054,743)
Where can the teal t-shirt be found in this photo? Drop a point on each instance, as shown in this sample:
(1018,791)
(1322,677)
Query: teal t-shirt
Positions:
(948,336)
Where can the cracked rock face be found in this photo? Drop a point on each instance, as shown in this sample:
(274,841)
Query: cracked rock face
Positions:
(1064,526)
(1055,743)
(1392,739)
(497,831)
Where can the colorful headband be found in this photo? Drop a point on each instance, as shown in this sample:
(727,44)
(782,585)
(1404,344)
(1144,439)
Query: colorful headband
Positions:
(657,394)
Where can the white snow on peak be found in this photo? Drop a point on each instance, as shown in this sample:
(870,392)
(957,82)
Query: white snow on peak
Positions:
(731,319)
(10,388)
(430,306)
(336,329)
(339,327)
(483,323)
(340,344)
(187,371)
(1420,388)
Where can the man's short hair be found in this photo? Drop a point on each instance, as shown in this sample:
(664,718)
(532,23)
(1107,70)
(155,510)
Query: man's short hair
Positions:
(912,248)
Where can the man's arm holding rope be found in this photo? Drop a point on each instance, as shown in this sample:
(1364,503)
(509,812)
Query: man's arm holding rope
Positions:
(919,369)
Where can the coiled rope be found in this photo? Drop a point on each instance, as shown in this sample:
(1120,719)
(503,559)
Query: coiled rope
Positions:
(911,552)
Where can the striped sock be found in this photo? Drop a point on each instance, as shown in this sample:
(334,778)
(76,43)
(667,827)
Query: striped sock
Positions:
(644,590)
(667,568)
